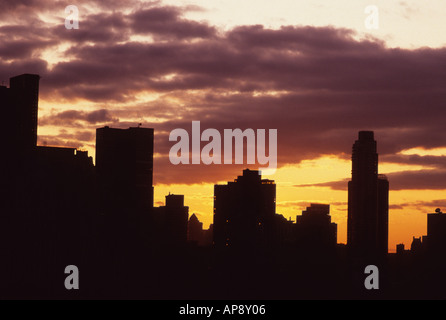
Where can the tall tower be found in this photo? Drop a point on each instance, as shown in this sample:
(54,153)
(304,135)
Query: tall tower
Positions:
(25,99)
(19,105)
(124,162)
(367,225)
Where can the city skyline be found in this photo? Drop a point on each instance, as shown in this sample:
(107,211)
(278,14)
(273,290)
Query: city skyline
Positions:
(124,145)
(310,69)
(125,173)
(61,212)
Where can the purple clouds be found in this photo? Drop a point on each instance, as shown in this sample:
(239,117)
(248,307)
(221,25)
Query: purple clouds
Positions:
(317,85)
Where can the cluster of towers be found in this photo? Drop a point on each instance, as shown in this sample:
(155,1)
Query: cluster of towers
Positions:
(56,206)
(120,187)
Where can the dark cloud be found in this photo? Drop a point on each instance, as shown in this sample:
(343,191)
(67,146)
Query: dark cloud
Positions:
(317,85)
(167,22)
(404,180)
(414,159)
(421,179)
(335,185)
(423,206)
(303,204)
(75,118)
(95,28)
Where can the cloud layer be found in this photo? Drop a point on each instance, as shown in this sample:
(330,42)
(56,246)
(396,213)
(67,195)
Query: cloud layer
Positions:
(147,63)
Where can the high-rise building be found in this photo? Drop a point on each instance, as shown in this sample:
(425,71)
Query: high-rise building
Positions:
(315,229)
(244,212)
(176,218)
(20,106)
(436,232)
(368,196)
(383,214)
(46,198)
(124,162)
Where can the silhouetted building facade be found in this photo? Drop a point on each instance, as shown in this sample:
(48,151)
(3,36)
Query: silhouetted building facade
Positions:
(436,232)
(196,234)
(383,214)
(124,162)
(400,249)
(171,221)
(20,106)
(208,236)
(367,226)
(315,231)
(57,209)
(244,212)
(416,245)
(284,232)
(59,202)
(194,230)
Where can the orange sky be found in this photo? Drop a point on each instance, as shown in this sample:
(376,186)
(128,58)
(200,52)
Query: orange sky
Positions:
(404,223)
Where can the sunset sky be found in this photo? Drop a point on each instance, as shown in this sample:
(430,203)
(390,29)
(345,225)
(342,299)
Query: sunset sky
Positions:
(310,69)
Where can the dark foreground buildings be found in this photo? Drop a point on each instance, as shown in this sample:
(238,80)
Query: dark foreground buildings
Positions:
(172,221)
(244,212)
(46,198)
(124,164)
(58,209)
(436,235)
(315,229)
(19,105)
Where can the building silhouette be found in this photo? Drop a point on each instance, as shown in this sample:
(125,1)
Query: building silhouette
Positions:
(124,179)
(244,212)
(194,230)
(383,214)
(47,198)
(124,164)
(367,225)
(400,248)
(20,106)
(171,222)
(435,241)
(196,235)
(285,233)
(314,229)
(416,246)
(57,209)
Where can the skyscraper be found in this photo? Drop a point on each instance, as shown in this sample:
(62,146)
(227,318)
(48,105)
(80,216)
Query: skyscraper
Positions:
(367,226)
(46,196)
(23,109)
(383,214)
(244,212)
(124,161)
